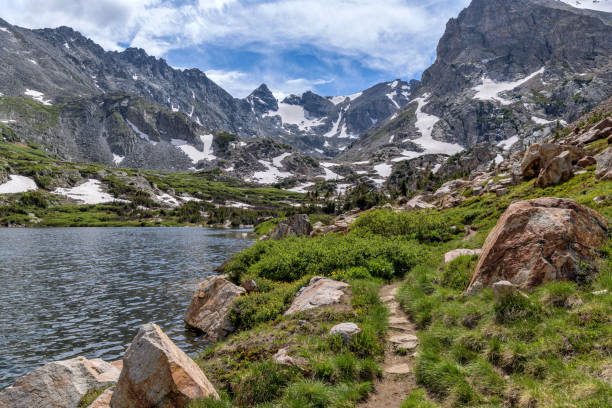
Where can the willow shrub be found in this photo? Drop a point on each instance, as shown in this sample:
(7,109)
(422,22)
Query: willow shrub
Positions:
(290,259)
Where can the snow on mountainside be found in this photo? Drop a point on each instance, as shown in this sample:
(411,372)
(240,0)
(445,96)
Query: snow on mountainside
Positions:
(599,5)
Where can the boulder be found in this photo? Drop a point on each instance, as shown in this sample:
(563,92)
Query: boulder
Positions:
(538,155)
(298,225)
(319,292)
(604,164)
(103,401)
(250,285)
(449,187)
(417,203)
(455,253)
(346,331)
(586,161)
(557,170)
(156,373)
(209,308)
(59,384)
(282,357)
(503,289)
(539,240)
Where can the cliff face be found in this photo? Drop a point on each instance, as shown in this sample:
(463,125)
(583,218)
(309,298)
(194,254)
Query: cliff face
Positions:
(503,68)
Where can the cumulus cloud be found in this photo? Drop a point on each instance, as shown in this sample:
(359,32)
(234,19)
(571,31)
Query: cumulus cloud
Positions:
(393,35)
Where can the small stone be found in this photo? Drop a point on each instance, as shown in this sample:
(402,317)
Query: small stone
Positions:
(503,289)
(346,331)
(600,292)
(501,192)
(405,341)
(398,369)
(250,286)
(455,253)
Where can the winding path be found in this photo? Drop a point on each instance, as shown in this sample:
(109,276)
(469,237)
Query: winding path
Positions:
(398,376)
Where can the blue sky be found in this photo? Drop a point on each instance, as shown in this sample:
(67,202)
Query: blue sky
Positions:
(333,47)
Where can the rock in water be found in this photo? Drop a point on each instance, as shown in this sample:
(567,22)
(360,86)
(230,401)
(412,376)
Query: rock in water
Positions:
(156,373)
(298,225)
(319,292)
(539,240)
(210,306)
(59,384)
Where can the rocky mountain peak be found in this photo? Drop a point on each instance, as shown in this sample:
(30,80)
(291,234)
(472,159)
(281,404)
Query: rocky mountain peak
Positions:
(262,100)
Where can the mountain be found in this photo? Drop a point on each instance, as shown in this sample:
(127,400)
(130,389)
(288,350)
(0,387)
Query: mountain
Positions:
(506,71)
(60,69)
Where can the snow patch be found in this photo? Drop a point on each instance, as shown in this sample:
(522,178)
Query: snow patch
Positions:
(237,204)
(135,77)
(499,158)
(540,121)
(66,45)
(508,143)
(489,89)
(17,184)
(391,96)
(6,30)
(141,134)
(330,175)
(37,96)
(425,123)
(599,5)
(383,169)
(334,129)
(168,200)
(194,154)
(33,62)
(301,188)
(294,115)
(272,173)
(339,99)
(90,192)
(117,158)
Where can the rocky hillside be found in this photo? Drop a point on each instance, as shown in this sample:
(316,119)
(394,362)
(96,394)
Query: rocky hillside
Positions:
(54,67)
(506,73)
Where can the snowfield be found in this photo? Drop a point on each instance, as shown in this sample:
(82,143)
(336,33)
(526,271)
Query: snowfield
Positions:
(117,158)
(37,96)
(383,169)
(301,188)
(90,192)
(18,184)
(272,174)
(508,143)
(141,134)
(294,115)
(194,154)
(425,123)
(599,5)
(339,99)
(489,89)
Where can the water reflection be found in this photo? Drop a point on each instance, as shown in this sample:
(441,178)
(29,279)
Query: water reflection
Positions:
(84,291)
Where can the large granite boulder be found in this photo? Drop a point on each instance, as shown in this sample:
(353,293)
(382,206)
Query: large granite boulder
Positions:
(59,384)
(319,292)
(298,225)
(539,240)
(209,308)
(156,373)
(604,164)
(539,155)
(557,170)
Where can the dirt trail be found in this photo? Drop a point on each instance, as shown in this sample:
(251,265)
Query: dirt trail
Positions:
(398,373)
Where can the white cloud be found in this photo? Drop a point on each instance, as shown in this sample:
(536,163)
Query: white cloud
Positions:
(240,84)
(397,36)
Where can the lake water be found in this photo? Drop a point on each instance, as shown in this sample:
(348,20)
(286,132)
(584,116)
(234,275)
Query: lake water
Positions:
(66,292)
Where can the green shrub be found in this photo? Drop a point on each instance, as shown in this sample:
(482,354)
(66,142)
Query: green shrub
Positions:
(211,402)
(34,199)
(307,394)
(417,399)
(380,268)
(516,307)
(263,382)
(425,226)
(457,274)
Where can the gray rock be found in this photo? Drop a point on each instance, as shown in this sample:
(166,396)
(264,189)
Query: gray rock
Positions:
(318,293)
(209,308)
(59,384)
(298,225)
(346,331)
(604,164)
(250,285)
(503,289)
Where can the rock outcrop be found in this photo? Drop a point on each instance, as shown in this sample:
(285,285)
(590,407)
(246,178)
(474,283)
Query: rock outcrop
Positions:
(455,253)
(557,170)
(345,330)
(319,292)
(210,306)
(59,384)
(604,164)
(539,240)
(298,225)
(156,373)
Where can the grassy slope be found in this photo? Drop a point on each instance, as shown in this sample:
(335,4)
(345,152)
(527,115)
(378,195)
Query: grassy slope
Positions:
(44,209)
(550,350)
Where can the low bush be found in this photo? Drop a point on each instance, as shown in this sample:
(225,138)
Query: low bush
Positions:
(457,274)
(263,382)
